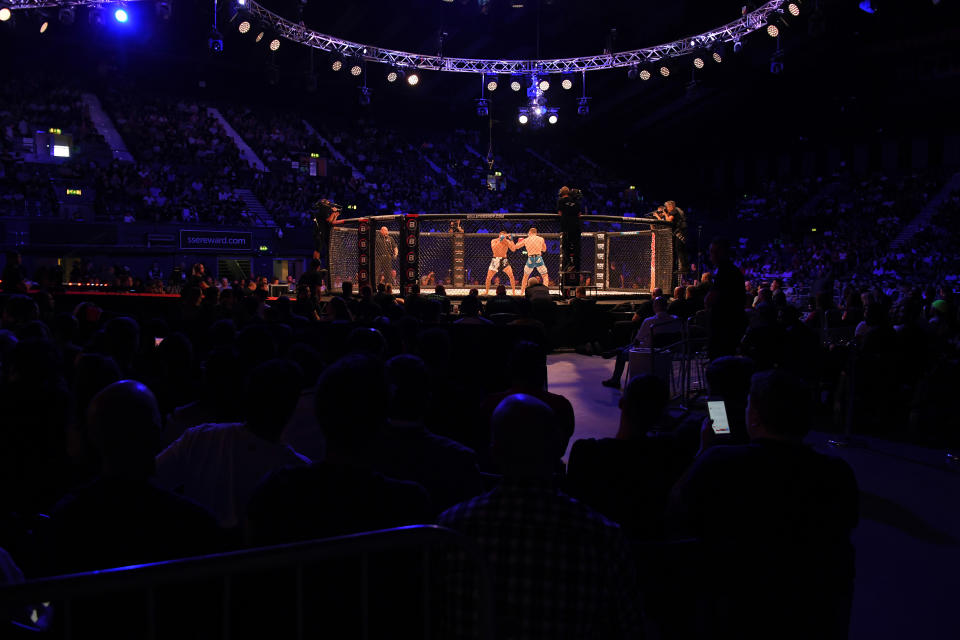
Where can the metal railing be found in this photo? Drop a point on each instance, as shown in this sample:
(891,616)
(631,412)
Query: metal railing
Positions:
(429,539)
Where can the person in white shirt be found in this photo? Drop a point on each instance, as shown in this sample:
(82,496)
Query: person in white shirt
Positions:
(219,465)
(660,323)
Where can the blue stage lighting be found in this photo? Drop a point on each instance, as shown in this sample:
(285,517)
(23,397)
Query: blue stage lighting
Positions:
(120,15)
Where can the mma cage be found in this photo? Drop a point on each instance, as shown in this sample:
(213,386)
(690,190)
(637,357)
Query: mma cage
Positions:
(618,256)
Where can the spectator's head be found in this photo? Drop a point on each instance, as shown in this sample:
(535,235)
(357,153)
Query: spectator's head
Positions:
(367,341)
(470,307)
(719,250)
(346,288)
(338,310)
(641,406)
(534,280)
(440,290)
(18,311)
(660,304)
(408,381)
(779,406)
(776,285)
(366,293)
(581,292)
(501,290)
(525,438)
(656,293)
(124,426)
(528,365)
(351,403)
(271,393)
(679,293)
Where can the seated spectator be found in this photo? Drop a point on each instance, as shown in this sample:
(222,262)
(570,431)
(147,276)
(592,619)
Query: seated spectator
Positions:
(501,303)
(536,290)
(470,309)
(776,518)
(628,478)
(440,295)
(216,402)
(218,465)
(661,325)
(532,534)
(527,368)
(122,518)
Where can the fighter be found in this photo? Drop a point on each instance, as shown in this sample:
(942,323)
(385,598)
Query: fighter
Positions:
(535,247)
(499,262)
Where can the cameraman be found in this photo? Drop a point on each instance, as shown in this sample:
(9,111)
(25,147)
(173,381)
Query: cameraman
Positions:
(570,208)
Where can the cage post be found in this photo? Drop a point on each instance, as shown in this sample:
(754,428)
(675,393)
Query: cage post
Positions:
(364,245)
(409,252)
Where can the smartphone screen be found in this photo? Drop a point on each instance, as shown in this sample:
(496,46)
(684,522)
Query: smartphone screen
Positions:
(718,413)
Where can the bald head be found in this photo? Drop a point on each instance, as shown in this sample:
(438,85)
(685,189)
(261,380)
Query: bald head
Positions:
(124,423)
(526,441)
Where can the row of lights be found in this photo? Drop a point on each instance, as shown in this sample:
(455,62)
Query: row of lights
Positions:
(67,15)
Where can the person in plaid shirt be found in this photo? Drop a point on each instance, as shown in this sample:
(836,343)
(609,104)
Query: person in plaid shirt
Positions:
(561,570)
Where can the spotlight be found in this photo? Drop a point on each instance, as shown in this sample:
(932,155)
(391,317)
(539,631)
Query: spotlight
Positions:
(632,73)
(215,41)
(44,26)
(413,79)
(120,15)
(567,84)
(737,46)
(717,57)
(67,16)
(515,85)
(794,9)
(772,30)
(544,85)
(483,107)
(516,4)
(392,75)
(552,119)
(665,71)
(583,106)
(336,61)
(356,69)
(776,67)
(163,10)
(523,118)
(274,44)
(364,96)
(259,37)
(243,27)
(492,85)
(698,62)
(644,75)
(5,14)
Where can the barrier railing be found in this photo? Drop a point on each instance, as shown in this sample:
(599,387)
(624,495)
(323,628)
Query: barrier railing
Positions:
(429,539)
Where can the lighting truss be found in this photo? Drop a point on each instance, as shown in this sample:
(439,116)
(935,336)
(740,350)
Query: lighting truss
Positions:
(730,32)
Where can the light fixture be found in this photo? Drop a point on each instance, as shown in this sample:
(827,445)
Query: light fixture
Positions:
(567,84)
(665,71)
(737,46)
(717,57)
(552,119)
(698,62)
(515,85)
(483,107)
(67,15)
(163,9)
(772,30)
(413,79)
(356,69)
(492,85)
(243,27)
(274,44)
(544,85)
(259,37)
(120,14)
(215,41)
(392,75)
(5,13)
(336,61)
(644,75)
(364,96)
(44,26)
(583,106)
(523,119)
(793,9)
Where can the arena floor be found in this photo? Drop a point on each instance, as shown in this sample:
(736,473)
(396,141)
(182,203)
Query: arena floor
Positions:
(907,543)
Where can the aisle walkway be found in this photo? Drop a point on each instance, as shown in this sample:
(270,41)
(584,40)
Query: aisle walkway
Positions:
(908,541)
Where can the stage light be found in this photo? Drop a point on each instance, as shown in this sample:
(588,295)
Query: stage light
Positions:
(356,69)
(483,107)
(44,26)
(120,15)
(244,27)
(665,71)
(772,30)
(274,44)
(698,62)
(523,118)
(5,14)
(583,106)
(794,9)
(364,96)
(336,61)
(644,75)
(392,75)
(717,57)
(544,85)
(67,16)
(413,79)
(163,10)
(552,119)
(737,46)
(515,85)
(242,3)
(516,4)
(492,85)
(567,84)
(215,41)
(632,73)
(259,37)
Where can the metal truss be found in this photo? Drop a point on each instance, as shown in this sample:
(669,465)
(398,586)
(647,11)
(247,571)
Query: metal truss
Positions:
(731,32)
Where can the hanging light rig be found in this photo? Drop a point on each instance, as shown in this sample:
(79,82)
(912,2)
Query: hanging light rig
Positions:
(536,111)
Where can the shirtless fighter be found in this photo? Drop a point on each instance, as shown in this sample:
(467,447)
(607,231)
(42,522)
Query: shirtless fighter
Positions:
(535,247)
(499,262)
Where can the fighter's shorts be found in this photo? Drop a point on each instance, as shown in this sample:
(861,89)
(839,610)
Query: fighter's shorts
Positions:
(499,264)
(535,263)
